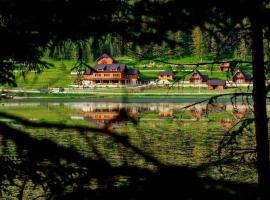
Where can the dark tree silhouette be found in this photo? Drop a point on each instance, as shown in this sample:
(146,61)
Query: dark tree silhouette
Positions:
(28,27)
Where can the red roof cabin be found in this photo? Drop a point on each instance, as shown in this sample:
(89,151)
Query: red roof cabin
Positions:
(105,59)
(225,67)
(165,75)
(197,77)
(241,77)
(216,84)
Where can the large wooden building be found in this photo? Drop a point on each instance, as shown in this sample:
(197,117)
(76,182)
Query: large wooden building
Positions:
(108,72)
(197,77)
(241,77)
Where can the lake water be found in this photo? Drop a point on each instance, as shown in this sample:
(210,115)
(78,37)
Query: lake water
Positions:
(171,134)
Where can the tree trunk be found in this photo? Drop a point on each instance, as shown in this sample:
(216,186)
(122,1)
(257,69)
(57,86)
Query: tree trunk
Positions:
(260,112)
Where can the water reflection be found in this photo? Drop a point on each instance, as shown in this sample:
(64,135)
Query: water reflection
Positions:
(171,132)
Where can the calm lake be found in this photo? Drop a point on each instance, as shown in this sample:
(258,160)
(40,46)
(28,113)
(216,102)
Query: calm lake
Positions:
(174,134)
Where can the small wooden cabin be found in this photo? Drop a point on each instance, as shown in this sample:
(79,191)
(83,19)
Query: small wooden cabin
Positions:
(216,84)
(225,67)
(165,75)
(241,77)
(105,59)
(197,77)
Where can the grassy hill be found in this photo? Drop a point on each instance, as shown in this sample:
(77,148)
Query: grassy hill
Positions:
(60,75)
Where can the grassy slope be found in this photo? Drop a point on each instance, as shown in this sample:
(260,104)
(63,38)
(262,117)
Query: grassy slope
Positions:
(59,75)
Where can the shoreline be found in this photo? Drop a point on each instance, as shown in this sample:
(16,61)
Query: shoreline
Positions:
(122,99)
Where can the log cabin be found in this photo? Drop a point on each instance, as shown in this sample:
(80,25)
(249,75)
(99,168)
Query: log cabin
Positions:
(197,77)
(105,59)
(225,67)
(241,77)
(216,84)
(110,73)
(165,75)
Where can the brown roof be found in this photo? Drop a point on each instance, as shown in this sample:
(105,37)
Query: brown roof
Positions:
(204,77)
(247,76)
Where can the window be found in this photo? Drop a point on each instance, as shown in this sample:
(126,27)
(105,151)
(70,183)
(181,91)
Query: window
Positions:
(106,75)
(115,75)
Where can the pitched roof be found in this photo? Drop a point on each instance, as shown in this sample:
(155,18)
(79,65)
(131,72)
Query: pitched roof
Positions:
(216,82)
(247,76)
(165,73)
(104,56)
(204,77)
(110,67)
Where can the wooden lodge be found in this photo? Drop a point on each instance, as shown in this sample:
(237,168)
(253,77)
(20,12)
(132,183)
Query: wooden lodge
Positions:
(241,77)
(110,72)
(225,67)
(197,77)
(165,75)
(216,84)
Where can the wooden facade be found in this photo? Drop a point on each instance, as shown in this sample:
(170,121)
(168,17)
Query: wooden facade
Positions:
(197,77)
(110,73)
(165,75)
(241,77)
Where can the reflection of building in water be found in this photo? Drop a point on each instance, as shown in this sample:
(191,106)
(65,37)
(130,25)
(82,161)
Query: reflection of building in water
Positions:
(240,111)
(109,115)
(216,107)
(165,114)
(165,111)
(101,116)
(198,111)
(226,123)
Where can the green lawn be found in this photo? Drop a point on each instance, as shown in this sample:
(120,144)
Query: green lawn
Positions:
(60,74)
